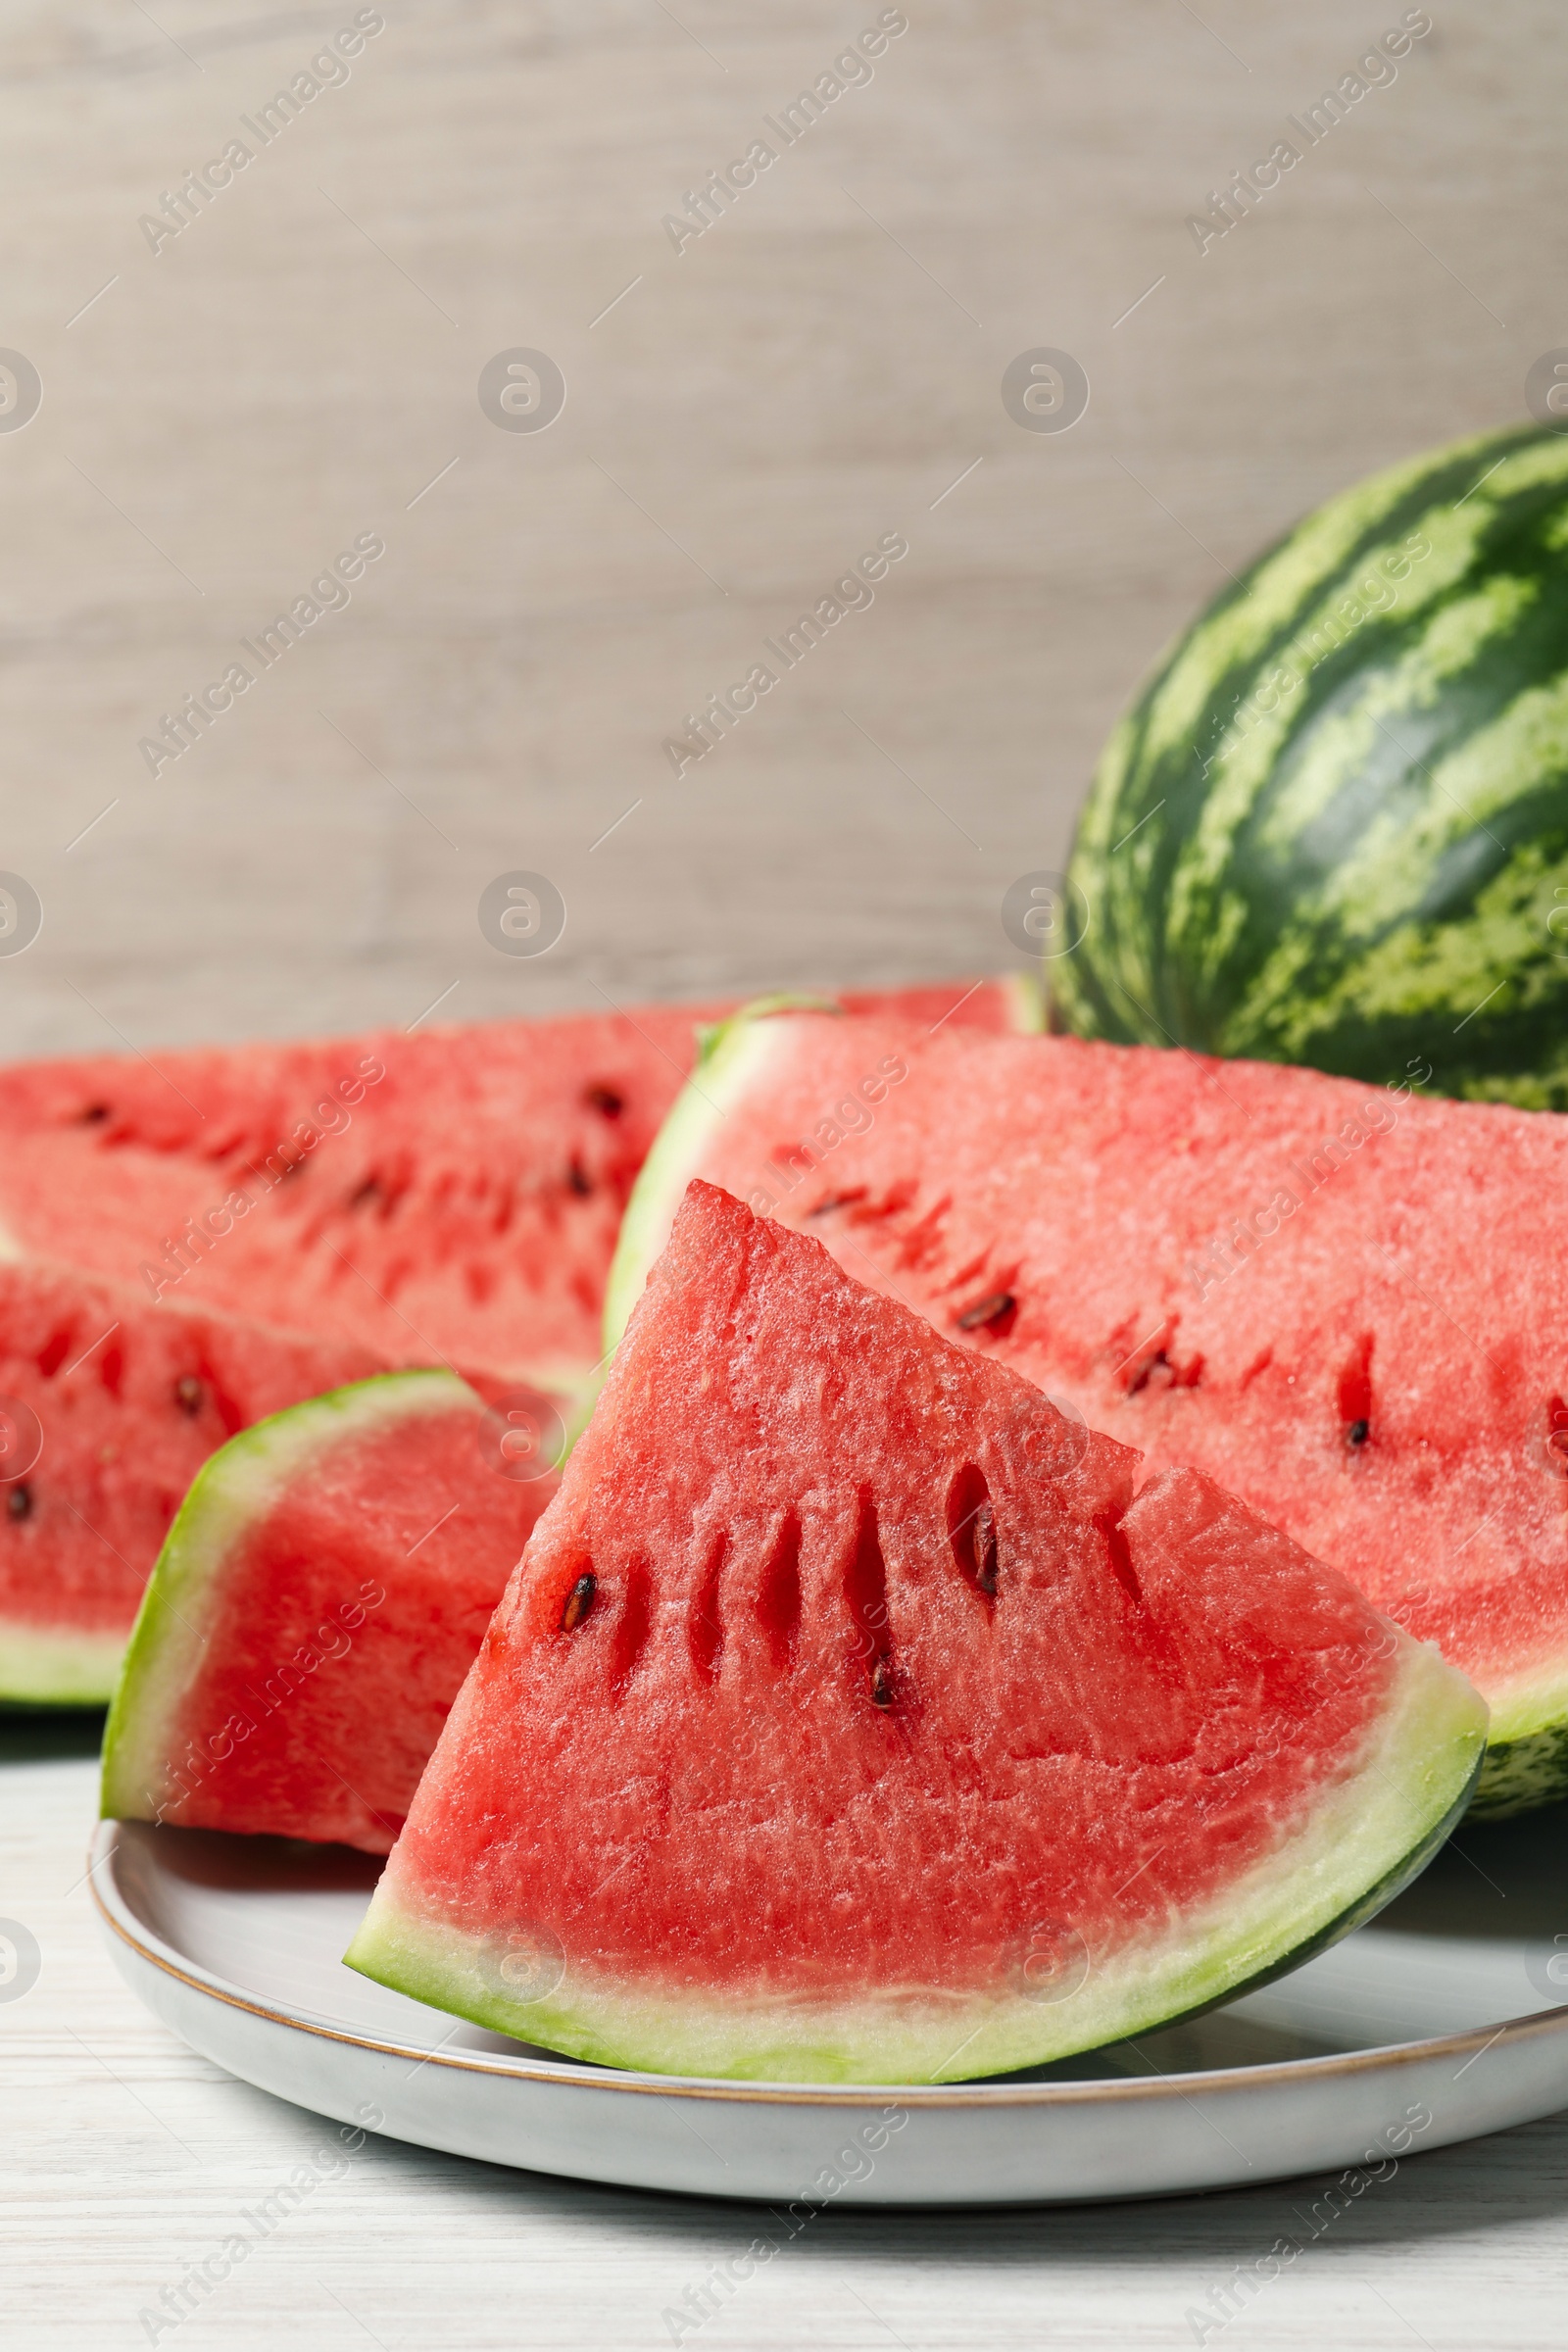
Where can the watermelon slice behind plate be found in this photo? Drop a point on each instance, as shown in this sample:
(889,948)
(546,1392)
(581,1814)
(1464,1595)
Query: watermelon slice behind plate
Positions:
(451,1197)
(109,1406)
(312,1616)
(1347,1304)
(848,1719)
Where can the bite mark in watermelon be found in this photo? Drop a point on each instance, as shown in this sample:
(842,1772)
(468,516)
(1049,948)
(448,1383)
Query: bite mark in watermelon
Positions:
(1342,1303)
(109,1406)
(319,1598)
(848,1719)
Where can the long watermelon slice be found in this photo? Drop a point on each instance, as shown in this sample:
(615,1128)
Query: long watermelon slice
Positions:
(450,1196)
(322,1596)
(847,1718)
(1346,1303)
(109,1406)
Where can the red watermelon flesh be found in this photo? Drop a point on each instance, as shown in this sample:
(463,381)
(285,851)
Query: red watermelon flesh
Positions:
(109,1406)
(848,1719)
(318,1601)
(449,1195)
(1350,1305)
(452,1196)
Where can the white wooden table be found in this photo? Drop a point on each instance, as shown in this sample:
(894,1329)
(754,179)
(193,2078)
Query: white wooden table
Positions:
(822,366)
(127,2158)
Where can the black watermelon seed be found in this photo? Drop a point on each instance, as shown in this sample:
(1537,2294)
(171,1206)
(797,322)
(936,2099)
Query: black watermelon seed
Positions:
(1359,1433)
(93,1113)
(579,1600)
(985,1548)
(18,1502)
(579,1181)
(605,1099)
(987,1310)
(883,1693)
(189,1393)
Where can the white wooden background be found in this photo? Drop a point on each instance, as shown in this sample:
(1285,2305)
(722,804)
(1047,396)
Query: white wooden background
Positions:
(296,367)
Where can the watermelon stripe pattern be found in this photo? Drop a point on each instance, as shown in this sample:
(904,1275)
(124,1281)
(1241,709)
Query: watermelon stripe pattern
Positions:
(1334,826)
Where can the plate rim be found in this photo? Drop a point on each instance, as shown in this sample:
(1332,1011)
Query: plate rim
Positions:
(571,2073)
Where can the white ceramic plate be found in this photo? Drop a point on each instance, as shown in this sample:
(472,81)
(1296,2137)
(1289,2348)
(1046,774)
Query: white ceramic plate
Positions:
(1438,2022)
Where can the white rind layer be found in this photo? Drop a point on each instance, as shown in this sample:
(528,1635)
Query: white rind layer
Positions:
(734,1057)
(1363,1838)
(57,1666)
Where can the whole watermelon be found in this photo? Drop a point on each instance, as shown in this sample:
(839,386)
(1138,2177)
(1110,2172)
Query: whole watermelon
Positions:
(1334,826)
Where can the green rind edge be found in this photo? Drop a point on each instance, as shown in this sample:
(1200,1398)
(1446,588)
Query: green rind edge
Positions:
(728,1055)
(56,1666)
(1417,1771)
(1376,1898)
(1521,1775)
(1027,999)
(233,1486)
(1527,1754)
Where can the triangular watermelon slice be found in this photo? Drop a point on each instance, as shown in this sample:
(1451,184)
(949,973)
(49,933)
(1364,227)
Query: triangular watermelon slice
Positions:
(848,1719)
(312,1616)
(1345,1302)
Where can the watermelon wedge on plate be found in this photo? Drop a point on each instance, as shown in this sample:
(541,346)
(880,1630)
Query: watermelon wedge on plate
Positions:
(1347,1304)
(109,1406)
(312,1616)
(849,1719)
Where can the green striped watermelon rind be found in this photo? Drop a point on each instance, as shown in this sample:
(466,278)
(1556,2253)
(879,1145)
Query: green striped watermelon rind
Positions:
(1527,1754)
(234,1488)
(1521,1775)
(1374,870)
(1367,1835)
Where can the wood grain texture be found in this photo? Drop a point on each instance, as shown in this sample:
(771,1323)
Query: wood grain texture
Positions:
(816,370)
(128,2157)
